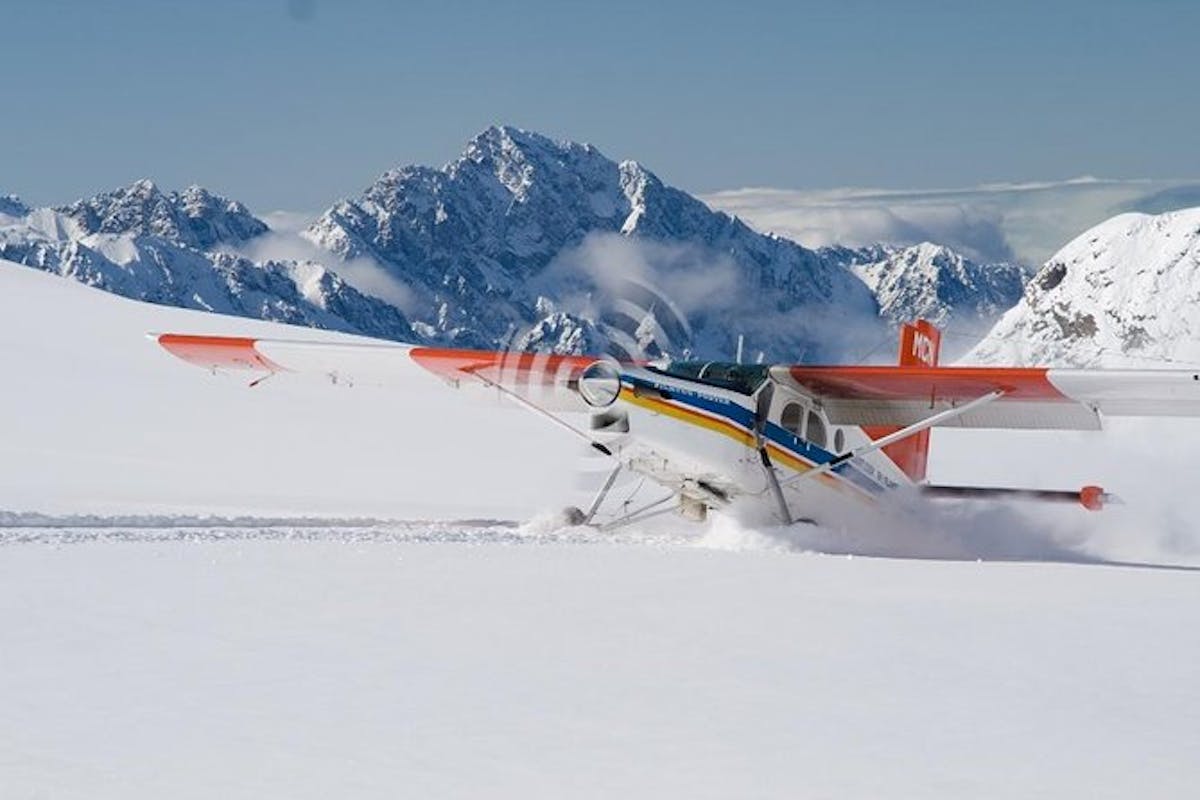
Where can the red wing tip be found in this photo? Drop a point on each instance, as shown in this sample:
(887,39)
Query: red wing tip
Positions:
(217,352)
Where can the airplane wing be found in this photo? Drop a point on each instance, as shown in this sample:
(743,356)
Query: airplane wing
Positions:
(1035,398)
(1031,398)
(547,381)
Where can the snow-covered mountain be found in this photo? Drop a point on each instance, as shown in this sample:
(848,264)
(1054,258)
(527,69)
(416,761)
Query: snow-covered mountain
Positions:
(936,283)
(521,235)
(523,231)
(1125,293)
(142,243)
(520,242)
(192,218)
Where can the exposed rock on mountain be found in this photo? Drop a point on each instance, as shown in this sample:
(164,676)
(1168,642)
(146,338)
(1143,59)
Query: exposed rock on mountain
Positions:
(471,239)
(521,242)
(192,218)
(141,243)
(1125,293)
(936,283)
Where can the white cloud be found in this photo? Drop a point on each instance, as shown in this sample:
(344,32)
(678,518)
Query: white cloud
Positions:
(708,288)
(284,242)
(1025,222)
(691,275)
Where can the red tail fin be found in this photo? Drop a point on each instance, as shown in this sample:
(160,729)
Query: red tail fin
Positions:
(919,346)
(920,342)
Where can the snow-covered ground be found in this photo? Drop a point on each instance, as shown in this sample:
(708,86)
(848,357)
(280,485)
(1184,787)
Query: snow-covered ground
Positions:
(96,418)
(166,656)
(316,669)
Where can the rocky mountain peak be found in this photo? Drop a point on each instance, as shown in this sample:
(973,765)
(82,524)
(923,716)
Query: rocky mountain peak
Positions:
(471,237)
(519,241)
(194,218)
(175,249)
(933,282)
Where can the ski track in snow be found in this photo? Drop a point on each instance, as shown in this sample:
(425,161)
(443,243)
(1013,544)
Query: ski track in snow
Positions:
(945,537)
(18,529)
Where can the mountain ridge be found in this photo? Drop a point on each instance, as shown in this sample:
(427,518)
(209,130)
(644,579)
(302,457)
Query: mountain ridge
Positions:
(469,237)
(521,241)
(168,249)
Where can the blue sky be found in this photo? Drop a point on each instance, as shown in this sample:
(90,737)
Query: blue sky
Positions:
(292,104)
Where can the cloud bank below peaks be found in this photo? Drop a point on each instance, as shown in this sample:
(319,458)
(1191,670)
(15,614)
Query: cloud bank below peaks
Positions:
(1025,222)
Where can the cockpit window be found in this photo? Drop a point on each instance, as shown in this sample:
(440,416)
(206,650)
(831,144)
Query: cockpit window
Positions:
(741,378)
(816,429)
(792,417)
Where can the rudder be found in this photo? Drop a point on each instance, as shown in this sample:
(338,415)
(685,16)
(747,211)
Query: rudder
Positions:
(920,343)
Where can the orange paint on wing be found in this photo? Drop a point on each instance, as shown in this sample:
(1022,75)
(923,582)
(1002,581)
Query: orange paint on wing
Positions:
(218,352)
(934,384)
(522,367)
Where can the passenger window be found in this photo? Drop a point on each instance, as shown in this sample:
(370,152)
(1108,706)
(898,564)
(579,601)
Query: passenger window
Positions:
(791,418)
(816,429)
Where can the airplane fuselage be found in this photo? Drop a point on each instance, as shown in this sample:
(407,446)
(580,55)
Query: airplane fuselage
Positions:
(706,442)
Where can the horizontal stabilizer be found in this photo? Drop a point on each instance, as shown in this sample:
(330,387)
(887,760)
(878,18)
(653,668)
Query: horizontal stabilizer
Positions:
(1093,498)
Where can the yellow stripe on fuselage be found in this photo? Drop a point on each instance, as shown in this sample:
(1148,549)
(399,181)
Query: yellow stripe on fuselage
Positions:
(659,406)
(781,456)
(778,454)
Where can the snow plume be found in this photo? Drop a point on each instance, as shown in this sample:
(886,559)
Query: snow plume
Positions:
(1025,223)
(1155,521)
(913,528)
(285,243)
(973,531)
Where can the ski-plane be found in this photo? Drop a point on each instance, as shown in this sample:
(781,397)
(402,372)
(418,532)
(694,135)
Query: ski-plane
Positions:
(793,442)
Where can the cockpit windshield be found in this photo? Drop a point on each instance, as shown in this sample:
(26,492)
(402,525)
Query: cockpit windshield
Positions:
(741,378)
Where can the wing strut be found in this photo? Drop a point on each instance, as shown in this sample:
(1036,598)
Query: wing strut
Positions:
(542,412)
(929,422)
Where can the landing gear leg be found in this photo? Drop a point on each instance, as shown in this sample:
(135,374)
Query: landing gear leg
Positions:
(600,495)
(785,514)
(645,512)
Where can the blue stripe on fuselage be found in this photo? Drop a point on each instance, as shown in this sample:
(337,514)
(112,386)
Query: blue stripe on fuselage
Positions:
(744,417)
(849,470)
(729,409)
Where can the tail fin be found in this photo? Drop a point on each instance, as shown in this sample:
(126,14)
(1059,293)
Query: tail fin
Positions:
(920,343)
